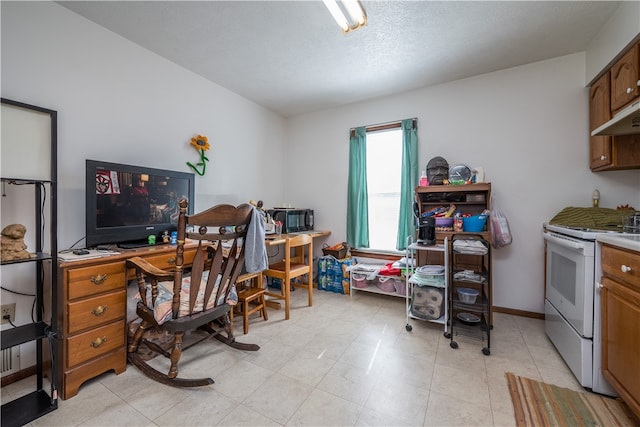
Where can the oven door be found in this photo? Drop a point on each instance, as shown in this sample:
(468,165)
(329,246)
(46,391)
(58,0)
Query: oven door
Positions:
(570,280)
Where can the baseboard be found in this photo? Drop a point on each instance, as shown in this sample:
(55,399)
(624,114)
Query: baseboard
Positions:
(20,375)
(515,312)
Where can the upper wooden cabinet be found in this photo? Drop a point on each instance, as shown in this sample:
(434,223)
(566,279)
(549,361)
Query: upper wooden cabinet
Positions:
(599,113)
(614,90)
(625,79)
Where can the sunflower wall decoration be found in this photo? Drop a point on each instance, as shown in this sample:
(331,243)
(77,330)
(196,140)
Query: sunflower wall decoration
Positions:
(201,144)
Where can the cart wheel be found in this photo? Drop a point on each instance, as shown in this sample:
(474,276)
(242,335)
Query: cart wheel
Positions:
(486,351)
(447,335)
(453,344)
(408,327)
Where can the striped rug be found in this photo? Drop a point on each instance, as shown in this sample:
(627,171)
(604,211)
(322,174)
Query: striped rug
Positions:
(539,404)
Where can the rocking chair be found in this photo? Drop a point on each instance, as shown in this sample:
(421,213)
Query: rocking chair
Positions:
(171,303)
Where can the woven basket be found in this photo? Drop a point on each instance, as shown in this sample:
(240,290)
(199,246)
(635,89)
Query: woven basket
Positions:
(340,253)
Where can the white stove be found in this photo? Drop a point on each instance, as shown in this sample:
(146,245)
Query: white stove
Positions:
(572,300)
(579,232)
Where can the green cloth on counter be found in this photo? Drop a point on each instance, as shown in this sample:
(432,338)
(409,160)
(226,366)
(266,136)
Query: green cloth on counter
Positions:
(594,218)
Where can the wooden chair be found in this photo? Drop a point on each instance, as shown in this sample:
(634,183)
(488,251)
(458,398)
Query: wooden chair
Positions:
(251,299)
(293,266)
(171,303)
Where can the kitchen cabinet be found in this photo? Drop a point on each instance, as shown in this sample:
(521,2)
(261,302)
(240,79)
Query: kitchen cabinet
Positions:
(600,113)
(615,89)
(620,296)
(35,270)
(92,313)
(625,79)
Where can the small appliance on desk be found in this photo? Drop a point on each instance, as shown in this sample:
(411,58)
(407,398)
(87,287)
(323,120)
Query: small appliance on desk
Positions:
(293,219)
(426,225)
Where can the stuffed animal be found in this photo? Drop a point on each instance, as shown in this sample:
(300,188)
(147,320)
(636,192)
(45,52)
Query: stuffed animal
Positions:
(12,244)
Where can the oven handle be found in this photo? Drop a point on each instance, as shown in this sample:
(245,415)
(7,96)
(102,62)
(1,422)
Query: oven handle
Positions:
(564,242)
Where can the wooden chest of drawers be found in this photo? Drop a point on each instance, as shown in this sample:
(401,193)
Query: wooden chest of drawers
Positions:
(92,311)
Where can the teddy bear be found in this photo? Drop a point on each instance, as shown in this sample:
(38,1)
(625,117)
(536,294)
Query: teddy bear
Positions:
(12,245)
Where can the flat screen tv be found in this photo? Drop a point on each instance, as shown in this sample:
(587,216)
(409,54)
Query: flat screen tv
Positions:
(125,204)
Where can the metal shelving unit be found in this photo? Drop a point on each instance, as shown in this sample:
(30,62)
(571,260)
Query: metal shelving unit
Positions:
(33,405)
(470,319)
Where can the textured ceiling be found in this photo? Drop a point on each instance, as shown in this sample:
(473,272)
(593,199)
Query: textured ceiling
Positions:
(291,57)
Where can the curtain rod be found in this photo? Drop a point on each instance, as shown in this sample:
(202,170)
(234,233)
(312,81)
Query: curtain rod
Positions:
(387,125)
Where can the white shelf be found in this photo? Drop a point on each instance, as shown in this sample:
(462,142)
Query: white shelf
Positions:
(442,319)
(375,290)
(412,248)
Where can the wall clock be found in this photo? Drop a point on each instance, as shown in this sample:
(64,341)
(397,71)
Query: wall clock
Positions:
(459,174)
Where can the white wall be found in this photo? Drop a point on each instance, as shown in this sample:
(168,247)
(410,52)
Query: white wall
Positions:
(615,35)
(528,128)
(121,103)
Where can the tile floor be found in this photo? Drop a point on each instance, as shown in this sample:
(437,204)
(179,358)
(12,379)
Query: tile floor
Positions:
(346,361)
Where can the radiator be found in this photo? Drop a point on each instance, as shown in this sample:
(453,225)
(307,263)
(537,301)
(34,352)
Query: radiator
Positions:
(10,361)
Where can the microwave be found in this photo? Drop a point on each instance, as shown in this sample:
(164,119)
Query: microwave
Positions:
(293,220)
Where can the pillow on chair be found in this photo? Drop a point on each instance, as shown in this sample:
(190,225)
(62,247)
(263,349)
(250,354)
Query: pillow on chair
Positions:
(162,308)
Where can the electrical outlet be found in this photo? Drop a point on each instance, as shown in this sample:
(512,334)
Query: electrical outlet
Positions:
(10,310)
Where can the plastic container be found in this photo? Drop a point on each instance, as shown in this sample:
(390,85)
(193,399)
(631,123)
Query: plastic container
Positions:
(359,280)
(474,223)
(386,284)
(444,222)
(400,286)
(631,223)
(423,179)
(467,295)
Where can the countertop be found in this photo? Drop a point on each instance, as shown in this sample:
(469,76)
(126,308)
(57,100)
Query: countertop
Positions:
(622,240)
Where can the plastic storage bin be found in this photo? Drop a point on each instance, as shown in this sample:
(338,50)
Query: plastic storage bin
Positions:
(359,280)
(400,286)
(474,223)
(467,295)
(386,284)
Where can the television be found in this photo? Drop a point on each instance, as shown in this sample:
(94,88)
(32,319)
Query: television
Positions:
(125,204)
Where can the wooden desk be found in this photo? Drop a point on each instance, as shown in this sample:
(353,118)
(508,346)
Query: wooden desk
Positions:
(281,239)
(92,313)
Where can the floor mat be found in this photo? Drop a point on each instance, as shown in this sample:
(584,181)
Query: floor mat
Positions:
(540,404)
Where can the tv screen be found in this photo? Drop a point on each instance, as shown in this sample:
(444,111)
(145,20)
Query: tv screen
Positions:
(125,204)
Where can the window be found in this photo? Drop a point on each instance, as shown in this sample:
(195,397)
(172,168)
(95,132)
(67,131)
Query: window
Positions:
(383,173)
(384,169)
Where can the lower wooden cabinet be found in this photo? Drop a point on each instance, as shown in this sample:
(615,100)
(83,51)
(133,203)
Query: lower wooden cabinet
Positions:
(92,314)
(621,323)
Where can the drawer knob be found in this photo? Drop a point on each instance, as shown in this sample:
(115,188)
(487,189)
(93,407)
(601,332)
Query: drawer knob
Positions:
(98,342)
(629,90)
(99,279)
(171,260)
(99,310)
(625,269)
(603,157)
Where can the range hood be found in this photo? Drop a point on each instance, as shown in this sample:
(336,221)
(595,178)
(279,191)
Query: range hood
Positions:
(626,122)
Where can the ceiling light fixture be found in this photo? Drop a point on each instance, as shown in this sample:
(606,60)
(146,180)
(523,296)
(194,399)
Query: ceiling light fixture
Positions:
(349,14)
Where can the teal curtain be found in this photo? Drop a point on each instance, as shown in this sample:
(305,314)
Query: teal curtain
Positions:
(357,195)
(409,180)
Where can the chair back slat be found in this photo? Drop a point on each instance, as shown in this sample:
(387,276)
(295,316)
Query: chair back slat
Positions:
(197,268)
(221,223)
